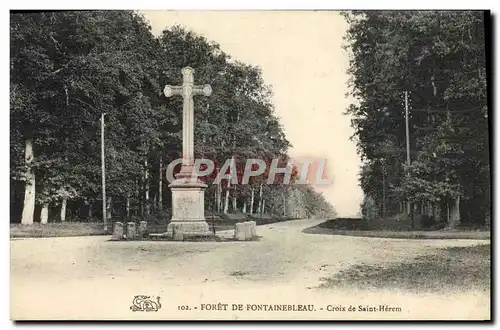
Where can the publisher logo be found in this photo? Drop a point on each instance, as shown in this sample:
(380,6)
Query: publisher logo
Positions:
(145,304)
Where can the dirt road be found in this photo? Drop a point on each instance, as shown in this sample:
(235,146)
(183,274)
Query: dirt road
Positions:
(94,278)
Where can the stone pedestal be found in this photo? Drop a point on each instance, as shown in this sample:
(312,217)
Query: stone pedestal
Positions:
(188,210)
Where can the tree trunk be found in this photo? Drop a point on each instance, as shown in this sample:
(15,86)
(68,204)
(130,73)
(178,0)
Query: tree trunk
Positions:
(263,207)
(226,201)
(447,213)
(29,191)
(89,210)
(252,201)
(63,209)
(154,204)
(234,200)
(437,212)
(244,207)
(109,208)
(127,206)
(284,204)
(487,219)
(217,193)
(67,94)
(138,195)
(259,207)
(384,211)
(44,214)
(218,197)
(415,219)
(146,190)
(160,187)
(454,218)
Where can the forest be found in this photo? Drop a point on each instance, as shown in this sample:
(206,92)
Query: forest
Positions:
(69,69)
(435,64)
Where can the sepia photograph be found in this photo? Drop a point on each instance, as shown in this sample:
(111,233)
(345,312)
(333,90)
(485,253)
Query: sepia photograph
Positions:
(250,165)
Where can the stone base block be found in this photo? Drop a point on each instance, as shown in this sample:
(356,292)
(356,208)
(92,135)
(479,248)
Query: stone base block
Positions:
(131,231)
(239,231)
(118,232)
(248,230)
(253,228)
(143,229)
(177,229)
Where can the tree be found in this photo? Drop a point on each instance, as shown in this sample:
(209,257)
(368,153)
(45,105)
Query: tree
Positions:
(439,58)
(68,68)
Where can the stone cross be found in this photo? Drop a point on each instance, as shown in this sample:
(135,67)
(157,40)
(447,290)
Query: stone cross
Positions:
(188,195)
(187,90)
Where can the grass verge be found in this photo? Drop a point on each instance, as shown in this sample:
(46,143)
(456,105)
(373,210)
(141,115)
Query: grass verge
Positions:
(354,227)
(57,230)
(450,269)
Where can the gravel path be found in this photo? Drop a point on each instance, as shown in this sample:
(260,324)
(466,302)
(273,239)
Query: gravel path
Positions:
(91,277)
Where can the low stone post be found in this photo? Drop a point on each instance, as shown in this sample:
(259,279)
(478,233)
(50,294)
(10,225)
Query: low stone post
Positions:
(254,228)
(143,229)
(117,231)
(131,231)
(248,230)
(239,232)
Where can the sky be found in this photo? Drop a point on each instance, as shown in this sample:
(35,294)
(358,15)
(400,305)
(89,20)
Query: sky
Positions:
(301,57)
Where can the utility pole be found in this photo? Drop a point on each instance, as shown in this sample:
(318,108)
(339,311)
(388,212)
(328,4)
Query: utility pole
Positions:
(103,169)
(407,129)
(408,161)
(213,209)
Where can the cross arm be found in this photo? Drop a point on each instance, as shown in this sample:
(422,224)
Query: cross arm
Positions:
(172,90)
(202,90)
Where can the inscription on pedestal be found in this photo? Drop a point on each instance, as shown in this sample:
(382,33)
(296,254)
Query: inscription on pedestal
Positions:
(188,204)
(186,207)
